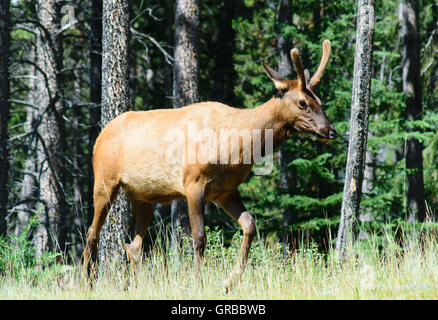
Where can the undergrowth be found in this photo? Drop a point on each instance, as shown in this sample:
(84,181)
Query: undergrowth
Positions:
(380,267)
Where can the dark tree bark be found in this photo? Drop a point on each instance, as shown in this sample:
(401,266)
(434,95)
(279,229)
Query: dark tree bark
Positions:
(51,131)
(223,90)
(168,91)
(115,100)
(186,54)
(132,62)
(433,78)
(408,16)
(287,178)
(358,122)
(4,111)
(185,80)
(76,226)
(95,93)
(283,46)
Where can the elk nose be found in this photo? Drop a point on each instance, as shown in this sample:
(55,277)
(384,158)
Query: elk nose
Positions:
(332,133)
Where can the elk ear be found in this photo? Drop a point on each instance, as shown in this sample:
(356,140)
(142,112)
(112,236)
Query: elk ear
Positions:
(279,82)
(307,76)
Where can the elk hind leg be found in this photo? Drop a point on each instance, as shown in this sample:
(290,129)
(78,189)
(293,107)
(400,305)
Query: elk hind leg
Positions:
(104,195)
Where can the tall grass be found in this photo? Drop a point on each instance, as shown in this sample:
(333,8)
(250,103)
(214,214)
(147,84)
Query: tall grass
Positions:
(379,267)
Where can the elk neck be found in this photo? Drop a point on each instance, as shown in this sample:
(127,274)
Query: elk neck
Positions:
(269,116)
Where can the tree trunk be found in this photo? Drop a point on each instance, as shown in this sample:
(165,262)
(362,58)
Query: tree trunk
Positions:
(4,111)
(408,16)
(358,122)
(168,82)
(115,100)
(132,63)
(283,46)
(95,93)
(186,54)
(51,233)
(287,179)
(223,87)
(28,183)
(76,226)
(185,81)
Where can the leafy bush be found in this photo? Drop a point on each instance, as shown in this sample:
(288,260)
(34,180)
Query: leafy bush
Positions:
(17,255)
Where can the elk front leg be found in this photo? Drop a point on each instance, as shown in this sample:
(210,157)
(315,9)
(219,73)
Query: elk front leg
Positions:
(233,205)
(195,200)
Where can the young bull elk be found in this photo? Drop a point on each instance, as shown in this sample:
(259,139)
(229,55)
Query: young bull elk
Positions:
(131,153)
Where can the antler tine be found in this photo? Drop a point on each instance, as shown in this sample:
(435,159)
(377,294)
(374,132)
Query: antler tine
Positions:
(295,55)
(322,65)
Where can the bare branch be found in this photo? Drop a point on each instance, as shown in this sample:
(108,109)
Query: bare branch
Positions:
(168,57)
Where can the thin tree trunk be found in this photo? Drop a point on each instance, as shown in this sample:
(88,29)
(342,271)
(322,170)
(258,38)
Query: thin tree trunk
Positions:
(185,81)
(51,145)
(95,94)
(4,111)
(358,122)
(287,178)
(186,66)
(168,91)
(76,226)
(408,16)
(283,46)
(115,101)
(28,184)
(223,90)
(223,70)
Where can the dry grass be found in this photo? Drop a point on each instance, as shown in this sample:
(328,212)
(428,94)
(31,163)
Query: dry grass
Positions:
(367,273)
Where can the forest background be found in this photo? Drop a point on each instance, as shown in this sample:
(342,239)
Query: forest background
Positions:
(299,203)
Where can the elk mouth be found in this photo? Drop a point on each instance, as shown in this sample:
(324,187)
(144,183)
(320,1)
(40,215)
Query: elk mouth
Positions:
(321,137)
(327,134)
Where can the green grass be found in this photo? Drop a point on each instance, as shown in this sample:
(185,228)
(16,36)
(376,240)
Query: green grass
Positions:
(376,268)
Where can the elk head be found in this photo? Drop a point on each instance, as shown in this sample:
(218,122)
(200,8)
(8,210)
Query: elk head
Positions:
(300,108)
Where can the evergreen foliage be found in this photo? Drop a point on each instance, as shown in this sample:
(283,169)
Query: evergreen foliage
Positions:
(319,166)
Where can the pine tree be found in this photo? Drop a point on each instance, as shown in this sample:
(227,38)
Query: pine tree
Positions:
(51,233)
(358,122)
(408,15)
(95,91)
(115,100)
(288,178)
(4,111)
(185,79)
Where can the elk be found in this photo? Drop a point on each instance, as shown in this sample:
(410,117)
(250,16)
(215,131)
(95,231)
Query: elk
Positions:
(130,152)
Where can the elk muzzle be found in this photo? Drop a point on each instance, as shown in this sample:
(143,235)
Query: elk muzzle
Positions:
(326,134)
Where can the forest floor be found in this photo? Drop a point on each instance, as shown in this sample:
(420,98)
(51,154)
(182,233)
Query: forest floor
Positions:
(377,268)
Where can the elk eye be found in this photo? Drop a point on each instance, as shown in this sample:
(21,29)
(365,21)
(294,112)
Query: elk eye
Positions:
(302,103)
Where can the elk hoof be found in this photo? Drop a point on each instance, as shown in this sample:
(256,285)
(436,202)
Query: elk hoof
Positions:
(233,279)
(132,253)
(127,248)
